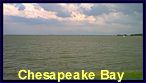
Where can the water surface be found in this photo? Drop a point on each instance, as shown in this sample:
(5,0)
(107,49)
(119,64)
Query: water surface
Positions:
(71,53)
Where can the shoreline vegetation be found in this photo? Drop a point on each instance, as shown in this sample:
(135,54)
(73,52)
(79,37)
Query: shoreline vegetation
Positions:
(130,35)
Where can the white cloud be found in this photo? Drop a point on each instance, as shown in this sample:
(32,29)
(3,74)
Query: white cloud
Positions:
(78,19)
(112,17)
(86,6)
(76,14)
(10,9)
(30,11)
(75,11)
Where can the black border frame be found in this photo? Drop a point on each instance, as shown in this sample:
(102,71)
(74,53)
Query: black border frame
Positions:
(70,1)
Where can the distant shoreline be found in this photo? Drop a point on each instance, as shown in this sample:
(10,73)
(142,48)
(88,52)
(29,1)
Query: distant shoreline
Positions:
(72,35)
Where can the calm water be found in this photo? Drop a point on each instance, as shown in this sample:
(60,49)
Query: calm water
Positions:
(71,53)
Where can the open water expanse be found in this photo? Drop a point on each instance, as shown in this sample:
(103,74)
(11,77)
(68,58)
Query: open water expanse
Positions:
(72,53)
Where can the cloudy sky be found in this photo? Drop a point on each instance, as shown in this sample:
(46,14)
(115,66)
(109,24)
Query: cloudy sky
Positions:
(72,19)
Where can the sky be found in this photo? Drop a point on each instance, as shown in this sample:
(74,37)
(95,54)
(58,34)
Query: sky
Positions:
(72,18)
